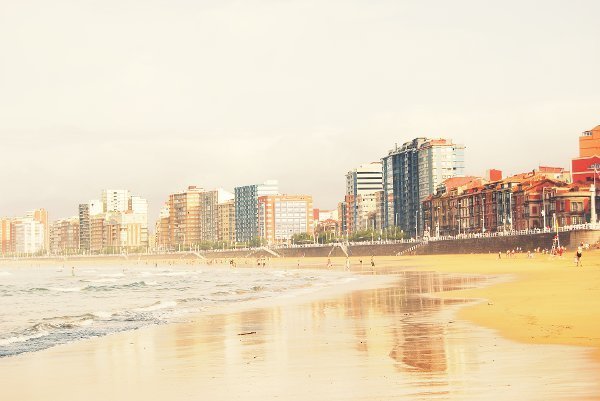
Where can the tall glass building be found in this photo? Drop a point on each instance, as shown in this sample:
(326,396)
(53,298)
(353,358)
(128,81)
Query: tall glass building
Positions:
(411,173)
(246,208)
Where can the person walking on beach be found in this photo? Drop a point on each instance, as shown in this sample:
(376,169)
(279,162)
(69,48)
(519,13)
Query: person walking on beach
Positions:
(579,254)
(347,263)
(372,261)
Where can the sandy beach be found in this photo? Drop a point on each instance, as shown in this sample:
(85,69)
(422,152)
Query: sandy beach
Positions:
(533,333)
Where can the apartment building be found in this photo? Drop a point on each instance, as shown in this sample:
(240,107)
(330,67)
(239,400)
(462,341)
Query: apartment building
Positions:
(64,236)
(361,185)
(246,208)
(411,173)
(7,243)
(226,221)
(282,216)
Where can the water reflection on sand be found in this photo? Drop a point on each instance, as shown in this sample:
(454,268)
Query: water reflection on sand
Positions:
(380,344)
(388,343)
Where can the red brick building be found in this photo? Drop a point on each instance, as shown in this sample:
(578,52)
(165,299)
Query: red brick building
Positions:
(588,160)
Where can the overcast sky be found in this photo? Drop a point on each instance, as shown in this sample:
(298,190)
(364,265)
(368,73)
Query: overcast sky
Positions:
(153,96)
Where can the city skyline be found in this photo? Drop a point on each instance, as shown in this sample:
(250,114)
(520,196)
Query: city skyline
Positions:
(160,97)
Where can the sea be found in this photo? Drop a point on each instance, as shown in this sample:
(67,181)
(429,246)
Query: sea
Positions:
(44,306)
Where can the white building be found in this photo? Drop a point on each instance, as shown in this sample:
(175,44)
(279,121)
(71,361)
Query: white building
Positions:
(95,206)
(115,200)
(29,236)
(362,183)
(439,159)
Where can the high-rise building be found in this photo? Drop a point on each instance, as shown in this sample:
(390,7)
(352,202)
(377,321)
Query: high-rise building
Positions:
(184,217)
(226,224)
(191,217)
(117,223)
(246,208)
(139,207)
(29,236)
(209,201)
(86,211)
(361,185)
(162,228)
(411,173)
(41,216)
(6,236)
(64,236)
(282,216)
(115,200)
(439,159)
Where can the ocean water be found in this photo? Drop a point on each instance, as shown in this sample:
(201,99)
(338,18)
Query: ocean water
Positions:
(44,306)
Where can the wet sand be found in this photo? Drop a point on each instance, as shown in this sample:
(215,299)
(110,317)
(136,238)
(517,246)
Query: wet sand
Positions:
(376,343)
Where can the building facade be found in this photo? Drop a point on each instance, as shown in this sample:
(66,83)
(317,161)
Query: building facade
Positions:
(64,236)
(412,173)
(29,236)
(282,216)
(184,217)
(7,243)
(362,184)
(586,167)
(524,201)
(116,200)
(226,221)
(246,208)
(117,223)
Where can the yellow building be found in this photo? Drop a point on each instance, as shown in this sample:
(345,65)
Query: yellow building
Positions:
(589,143)
(226,221)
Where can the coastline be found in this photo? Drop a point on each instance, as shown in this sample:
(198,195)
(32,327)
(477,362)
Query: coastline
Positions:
(364,340)
(546,300)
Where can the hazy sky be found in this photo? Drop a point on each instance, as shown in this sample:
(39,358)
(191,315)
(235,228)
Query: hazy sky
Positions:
(153,96)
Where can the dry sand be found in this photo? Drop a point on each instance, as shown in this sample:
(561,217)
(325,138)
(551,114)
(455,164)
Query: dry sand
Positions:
(372,343)
(547,300)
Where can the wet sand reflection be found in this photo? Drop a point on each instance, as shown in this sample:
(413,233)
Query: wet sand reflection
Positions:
(381,344)
(393,342)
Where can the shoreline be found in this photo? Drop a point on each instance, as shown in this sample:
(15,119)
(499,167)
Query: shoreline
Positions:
(368,339)
(546,301)
(543,303)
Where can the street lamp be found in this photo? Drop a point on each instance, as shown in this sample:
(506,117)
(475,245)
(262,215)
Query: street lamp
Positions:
(437,225)
(482,214)
(544,213)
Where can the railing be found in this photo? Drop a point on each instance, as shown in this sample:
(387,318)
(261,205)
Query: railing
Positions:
(345,244)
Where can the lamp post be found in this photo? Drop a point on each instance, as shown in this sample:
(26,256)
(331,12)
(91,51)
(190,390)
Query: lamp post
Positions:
(593,216)
(544,213)
(482,214)
(437,224)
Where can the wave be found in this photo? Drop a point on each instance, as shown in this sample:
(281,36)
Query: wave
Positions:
(65,289)
(22,338)
(157,306)
(5,274)
(135,284)
(47,326)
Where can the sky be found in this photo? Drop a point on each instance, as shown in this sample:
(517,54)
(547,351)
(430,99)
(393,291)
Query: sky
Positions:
(153,96)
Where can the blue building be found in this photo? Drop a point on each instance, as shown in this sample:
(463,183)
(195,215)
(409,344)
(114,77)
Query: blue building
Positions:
(411,173)
(246,208)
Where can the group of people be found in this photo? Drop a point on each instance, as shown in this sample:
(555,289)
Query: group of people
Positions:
(347,264)
(555,251)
